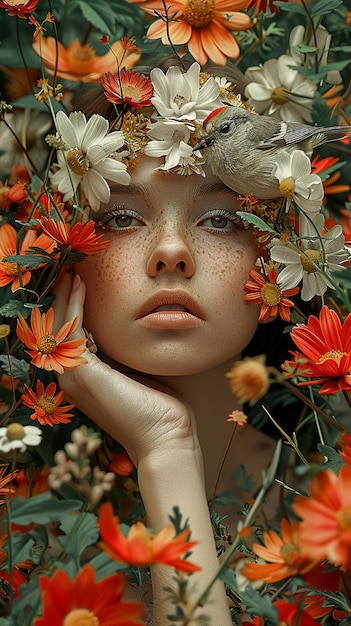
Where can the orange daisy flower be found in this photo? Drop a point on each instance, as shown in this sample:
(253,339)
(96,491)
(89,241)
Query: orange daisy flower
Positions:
(19,276)
(330,177)
(325,355)
(282,553)
(49,351)
(128,87)
(5,479)
(248,379)
(265,291)
(289,615)
(203,25)
(78,238)
(317,604)
(19,8)
(142,548)
(325,529)
(47,409)
(78,62)
(85,601)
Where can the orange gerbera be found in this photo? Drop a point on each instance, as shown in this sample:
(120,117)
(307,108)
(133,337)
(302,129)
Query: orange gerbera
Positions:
(289,615)
(50,351)
(78,62)
(265,291)
(47,409)
(328,165)
(19,8)
(78,238)
(282,553)
(142,548)
(10,272)
(325,356)
(203,25)
(325,529)
(85,601)
(5,479)
(128,87)
(248,378)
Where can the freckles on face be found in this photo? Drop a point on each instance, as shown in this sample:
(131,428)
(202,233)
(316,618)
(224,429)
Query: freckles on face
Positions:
(173,243)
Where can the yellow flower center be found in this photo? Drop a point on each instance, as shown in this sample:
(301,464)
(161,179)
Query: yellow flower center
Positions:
(343,517)
(199,13)
(15,431)
(271,294)
(46,403)
(47,344)
(133,92)
(332,354)
(287,187)
(308,258)
(80,617)
(279,95)
(4,330)
(77,161)
(11,269)
(289,553)
(179,100)
(16,3)
(81,59)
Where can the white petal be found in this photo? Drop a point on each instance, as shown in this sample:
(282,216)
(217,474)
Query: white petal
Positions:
(66,129)
(95,131)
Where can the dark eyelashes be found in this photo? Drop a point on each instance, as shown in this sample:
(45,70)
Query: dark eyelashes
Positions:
(115,211)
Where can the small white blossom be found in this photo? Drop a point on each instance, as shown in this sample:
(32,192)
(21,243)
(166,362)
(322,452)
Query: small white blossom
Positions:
(313,261)
(90,158)
(178,95)
(170,138)
(18,437)
(293,171)
(276,88)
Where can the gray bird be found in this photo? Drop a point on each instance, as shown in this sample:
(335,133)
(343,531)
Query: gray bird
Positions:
(241,147)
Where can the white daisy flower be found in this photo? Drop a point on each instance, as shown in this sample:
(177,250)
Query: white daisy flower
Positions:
(89,157)
(293,171)
(313,261)
(320,42)
(170,138)
(18,437)
(31,127)
(276,89)
(178,95)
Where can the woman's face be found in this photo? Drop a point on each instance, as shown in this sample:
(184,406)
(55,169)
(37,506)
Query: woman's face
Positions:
(166,298)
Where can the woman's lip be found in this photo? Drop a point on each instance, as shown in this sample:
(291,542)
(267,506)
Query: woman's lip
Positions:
(171,302)
(170,320)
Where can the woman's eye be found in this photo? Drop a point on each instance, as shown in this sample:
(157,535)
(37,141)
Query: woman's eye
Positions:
(120,219)
(226,221)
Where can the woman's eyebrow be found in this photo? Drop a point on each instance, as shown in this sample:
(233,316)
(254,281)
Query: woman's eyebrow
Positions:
(134,188)
(211,188)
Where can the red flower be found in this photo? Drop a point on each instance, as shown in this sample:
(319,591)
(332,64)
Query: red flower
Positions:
(121,464)
(142,548)
(325,355)
(48,351)
(345,452)
(128,87)
(47,409)
(261,6)
(78,238)
(266,292)
(20,9)
(85,601)
(5,479)
(289,615)
(325,529)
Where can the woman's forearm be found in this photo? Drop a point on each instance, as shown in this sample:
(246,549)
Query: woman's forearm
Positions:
(175,478)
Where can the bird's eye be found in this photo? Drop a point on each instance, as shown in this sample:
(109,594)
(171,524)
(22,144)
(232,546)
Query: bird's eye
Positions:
(225,128)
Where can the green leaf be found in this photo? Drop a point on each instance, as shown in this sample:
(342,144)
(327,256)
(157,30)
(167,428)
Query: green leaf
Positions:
(13,307)
(255,221)
(244,481)
(80,532)
(303,47)
(28,260)
(41,509)
(19,367)
(99,14)
(324,7)
(334,459)
(259,605)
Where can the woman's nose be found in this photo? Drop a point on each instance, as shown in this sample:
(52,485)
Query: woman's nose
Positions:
(171,253)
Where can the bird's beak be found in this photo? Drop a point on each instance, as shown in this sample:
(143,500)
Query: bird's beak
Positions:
(204,143)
